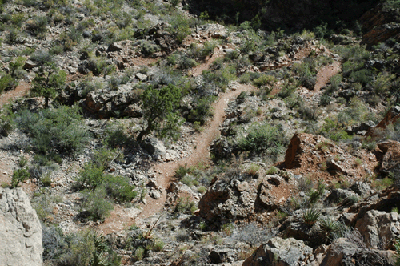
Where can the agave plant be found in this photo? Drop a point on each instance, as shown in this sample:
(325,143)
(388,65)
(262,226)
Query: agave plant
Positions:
(310,216)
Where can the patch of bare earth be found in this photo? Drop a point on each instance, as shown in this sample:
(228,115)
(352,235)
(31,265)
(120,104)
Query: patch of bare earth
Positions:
(20,91)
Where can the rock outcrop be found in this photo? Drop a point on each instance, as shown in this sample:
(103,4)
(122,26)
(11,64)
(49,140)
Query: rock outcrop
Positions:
(379,24)
(20,230)
(281,252)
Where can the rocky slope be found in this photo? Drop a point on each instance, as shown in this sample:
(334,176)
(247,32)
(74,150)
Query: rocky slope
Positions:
(144,134)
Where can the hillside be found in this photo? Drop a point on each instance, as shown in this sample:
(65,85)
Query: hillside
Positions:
(199,132)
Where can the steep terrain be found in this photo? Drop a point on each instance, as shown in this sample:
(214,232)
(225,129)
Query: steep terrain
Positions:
(144,133)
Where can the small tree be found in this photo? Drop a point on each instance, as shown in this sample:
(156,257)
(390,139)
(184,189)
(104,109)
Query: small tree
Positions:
(160,111)
(47,83)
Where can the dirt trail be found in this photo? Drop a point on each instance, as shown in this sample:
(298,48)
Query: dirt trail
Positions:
(165,171)
(325,73)
(198,70)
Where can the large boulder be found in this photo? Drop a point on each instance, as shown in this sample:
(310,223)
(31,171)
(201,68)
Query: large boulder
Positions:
(20,230)
(281,252)
(379,229)
(120,103)
(391,157)
(347,252)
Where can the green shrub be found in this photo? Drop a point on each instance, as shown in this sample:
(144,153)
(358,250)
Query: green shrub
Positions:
(19,175)
(119,188)
(58,131)
(180,27)
(160,111)
(96,205)
(37,25)
(84,248)
(265,80)
(7,82)
(47,84)
(185,205)
(91,176)
(201,110)
(262,138)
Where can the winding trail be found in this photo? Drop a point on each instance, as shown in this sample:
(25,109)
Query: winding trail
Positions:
(165,171)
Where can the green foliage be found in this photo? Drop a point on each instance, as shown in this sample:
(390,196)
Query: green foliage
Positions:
(272,171)
(310,216)
(96,205)
(58,131)
(19,175)
(307,73)
(82,249)
(119,188)
(180,27)
(262,138)
(91,176)
(185,205)
(201,110)
(265,80)
(220,77)
(160,111)
(47,84)
(332,229)
(37,26)
(7,82)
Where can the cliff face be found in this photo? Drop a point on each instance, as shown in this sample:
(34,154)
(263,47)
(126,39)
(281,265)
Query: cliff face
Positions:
(380,24)
(20,230)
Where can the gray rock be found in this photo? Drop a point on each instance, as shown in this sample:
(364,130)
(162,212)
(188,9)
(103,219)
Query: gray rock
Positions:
(20,230)
(379,229)
(344,251)
(155,194)
(362,189)
(282,252)
(340,195)
(155,147)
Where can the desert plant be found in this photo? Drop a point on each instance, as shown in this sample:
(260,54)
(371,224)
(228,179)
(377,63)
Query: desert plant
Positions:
(47,84)
(159,111)
(54,131)
(95,205)
(19,175)
(310,216)
(262,138)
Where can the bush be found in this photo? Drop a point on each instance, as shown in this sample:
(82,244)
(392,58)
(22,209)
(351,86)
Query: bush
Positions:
(7,82)
(201,110)
(91,176)
(19,175)
(265,80)
(96,206)
(119,188)
(59,131)
(37,26)
(84,248)
(262,138)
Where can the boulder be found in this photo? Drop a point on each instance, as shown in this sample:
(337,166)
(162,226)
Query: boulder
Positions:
(281,252)
(155,147)
(391,117)
(379,229)
(120,103)
(20,230)
(344,251)
(340,195)
(391,157)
